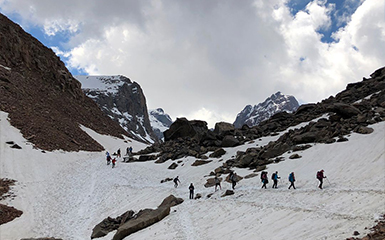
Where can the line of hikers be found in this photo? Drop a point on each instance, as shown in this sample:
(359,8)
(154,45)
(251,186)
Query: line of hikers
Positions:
(264,179)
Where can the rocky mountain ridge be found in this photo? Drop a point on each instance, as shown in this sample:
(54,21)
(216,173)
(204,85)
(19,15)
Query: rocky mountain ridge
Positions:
(329,121)
(43,99)
(123,101)
(253,115)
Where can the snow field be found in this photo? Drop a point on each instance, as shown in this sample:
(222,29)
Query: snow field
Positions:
(65,194)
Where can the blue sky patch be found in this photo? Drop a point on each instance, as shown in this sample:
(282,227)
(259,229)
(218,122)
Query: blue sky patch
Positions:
(341,14)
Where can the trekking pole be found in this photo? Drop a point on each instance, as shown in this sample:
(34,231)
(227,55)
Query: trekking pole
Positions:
(328,181)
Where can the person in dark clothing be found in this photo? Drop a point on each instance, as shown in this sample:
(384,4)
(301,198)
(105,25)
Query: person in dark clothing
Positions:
(113,162)
(275,178)
(217,183)
(233,179)
(264,179)
(176,180)
(320,177)
(291,180)
(118,153)
(191,188)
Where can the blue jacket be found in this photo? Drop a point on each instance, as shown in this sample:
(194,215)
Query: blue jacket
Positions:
(291,177)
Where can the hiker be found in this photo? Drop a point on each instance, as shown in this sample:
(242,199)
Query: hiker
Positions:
(233,179)
(320,176)
(275,178)
(217,183)
(176,180)
(291,180)
(108,158)
(113,162)
(118,152)
(264,179)
(129,151)
(191,188)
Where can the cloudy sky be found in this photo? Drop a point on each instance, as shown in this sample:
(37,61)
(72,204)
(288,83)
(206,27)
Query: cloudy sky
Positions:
(208,59)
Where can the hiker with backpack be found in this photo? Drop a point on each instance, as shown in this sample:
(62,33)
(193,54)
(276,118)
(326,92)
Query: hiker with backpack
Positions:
(191,188)
(264,179)
(176,180)
(291,180)
(320,176)
(275,178)
(113,162)
(233,179)
(217,183)
(108,158)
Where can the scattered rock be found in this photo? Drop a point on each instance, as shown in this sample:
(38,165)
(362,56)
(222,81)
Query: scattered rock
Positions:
(16,146)
(166,180)
(342,139)
(295,156)
(251,175)
(173,166)
(301,147)
(210,182)
(363,130)
(218,153)
(200,162)
(198,196)
(229,141)
(228,193)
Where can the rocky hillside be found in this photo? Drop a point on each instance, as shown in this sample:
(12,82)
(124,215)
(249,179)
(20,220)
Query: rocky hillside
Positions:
(160,121)
(352,110)
(253,115)
(123,101)
(42,98)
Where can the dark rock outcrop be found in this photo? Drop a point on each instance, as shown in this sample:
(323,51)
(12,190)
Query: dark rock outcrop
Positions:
(123,101)
(183,128)
(7,213)
(228,193)
(146,217)
(42,98)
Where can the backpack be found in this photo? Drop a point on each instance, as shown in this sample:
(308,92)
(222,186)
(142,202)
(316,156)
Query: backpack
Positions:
(291,177)
(273,176)
(318,176)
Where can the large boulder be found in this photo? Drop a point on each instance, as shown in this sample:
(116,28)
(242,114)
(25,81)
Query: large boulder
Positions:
(183,128)
(147,217)
(344,110)
(230,141)
(110,224)
(223,128)
(307,137)
(218,153)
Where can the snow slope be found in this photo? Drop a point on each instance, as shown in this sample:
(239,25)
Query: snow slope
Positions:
(65,195)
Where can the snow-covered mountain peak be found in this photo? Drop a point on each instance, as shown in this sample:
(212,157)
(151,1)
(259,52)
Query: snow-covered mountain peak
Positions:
(160,121)
(277,102)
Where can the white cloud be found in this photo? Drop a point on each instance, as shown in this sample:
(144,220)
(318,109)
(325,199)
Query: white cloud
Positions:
(215,56)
